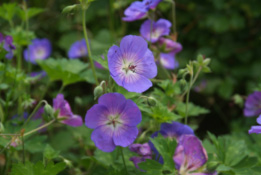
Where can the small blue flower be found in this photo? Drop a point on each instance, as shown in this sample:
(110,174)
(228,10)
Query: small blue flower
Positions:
(78,49)
(7,42)
(39,49)
(168,60)
(256,129)
(152,31)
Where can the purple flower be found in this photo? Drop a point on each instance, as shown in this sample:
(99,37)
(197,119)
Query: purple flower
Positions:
(132,64)
(59,103)
(114,120)
(138,10)
(256,129)
(190,155)
(202,85)
(159,29)
(39,74)
(7,42)
(78,49)
(98,65)
(170,45)
(172,130)
(39,49)
(168,60)
(144,152)
(253,104)
(151,4)
(135,11)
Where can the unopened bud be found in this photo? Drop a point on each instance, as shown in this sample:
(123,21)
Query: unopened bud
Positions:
(151,101)
(183,82)
(48,110)
(97,92)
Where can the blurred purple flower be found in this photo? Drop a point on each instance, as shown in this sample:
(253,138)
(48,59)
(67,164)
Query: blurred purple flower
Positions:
(159,29)
(139,9)
(59,103)
(39,74)
(40,49)
(190,155)
(78,49)
(170,45)
(114,120)
(253,104)
(144,152)
(168,60)
(132,64)
(7,42)
(256,129)
(201,86)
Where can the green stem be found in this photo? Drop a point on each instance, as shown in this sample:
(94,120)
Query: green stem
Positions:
(23,149)
(61,89)
(174,18)
(34,111)
(88,46)
(123,160)
(187,100)
(39,128)
(111,21)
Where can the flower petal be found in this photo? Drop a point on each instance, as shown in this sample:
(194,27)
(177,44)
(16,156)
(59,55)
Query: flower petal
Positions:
(74,120)
(168,61)
(147,66)
(114,102)
(131,114)
(175,129)
(103,138)
(133,47)
(255,129)
(96,116)
(190,153)
(136,83)
(125,135)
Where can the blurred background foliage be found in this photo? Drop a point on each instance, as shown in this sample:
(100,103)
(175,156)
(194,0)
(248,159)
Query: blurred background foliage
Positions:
(228,31)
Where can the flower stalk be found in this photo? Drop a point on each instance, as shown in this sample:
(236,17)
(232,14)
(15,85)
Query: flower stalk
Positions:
(88,45)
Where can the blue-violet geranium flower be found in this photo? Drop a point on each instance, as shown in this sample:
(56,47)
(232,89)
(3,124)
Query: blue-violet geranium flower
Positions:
(59,103)
(170,45)
(256,129)
(114,120)
(253,104)
(132,64)
(78,49)
(39,49)
(7,42)
(159,29)
(168,60)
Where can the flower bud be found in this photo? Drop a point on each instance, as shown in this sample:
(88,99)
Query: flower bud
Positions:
(183,82)
(151,101)
(48,110)
(98,91)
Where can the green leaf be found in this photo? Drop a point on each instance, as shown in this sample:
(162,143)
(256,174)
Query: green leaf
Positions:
(151,166)
(50,153)
(37,169)
(31,12)
(193,110)
(8,10)
(166,148)
(68,71)
(70,8)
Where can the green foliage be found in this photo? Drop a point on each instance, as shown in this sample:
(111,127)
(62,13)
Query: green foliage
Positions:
(37,169)
(29,13)
(193,110)
(8,10)
(68,71)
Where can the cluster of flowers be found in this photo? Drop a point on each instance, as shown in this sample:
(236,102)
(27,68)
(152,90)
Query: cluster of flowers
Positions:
(253,108)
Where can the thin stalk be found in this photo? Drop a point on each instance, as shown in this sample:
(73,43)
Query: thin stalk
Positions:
(39,128)
(88,46)
(34,111)
(111,21)
(23,149)
(187,100)
(61,89)
(123,160)
(174,17)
